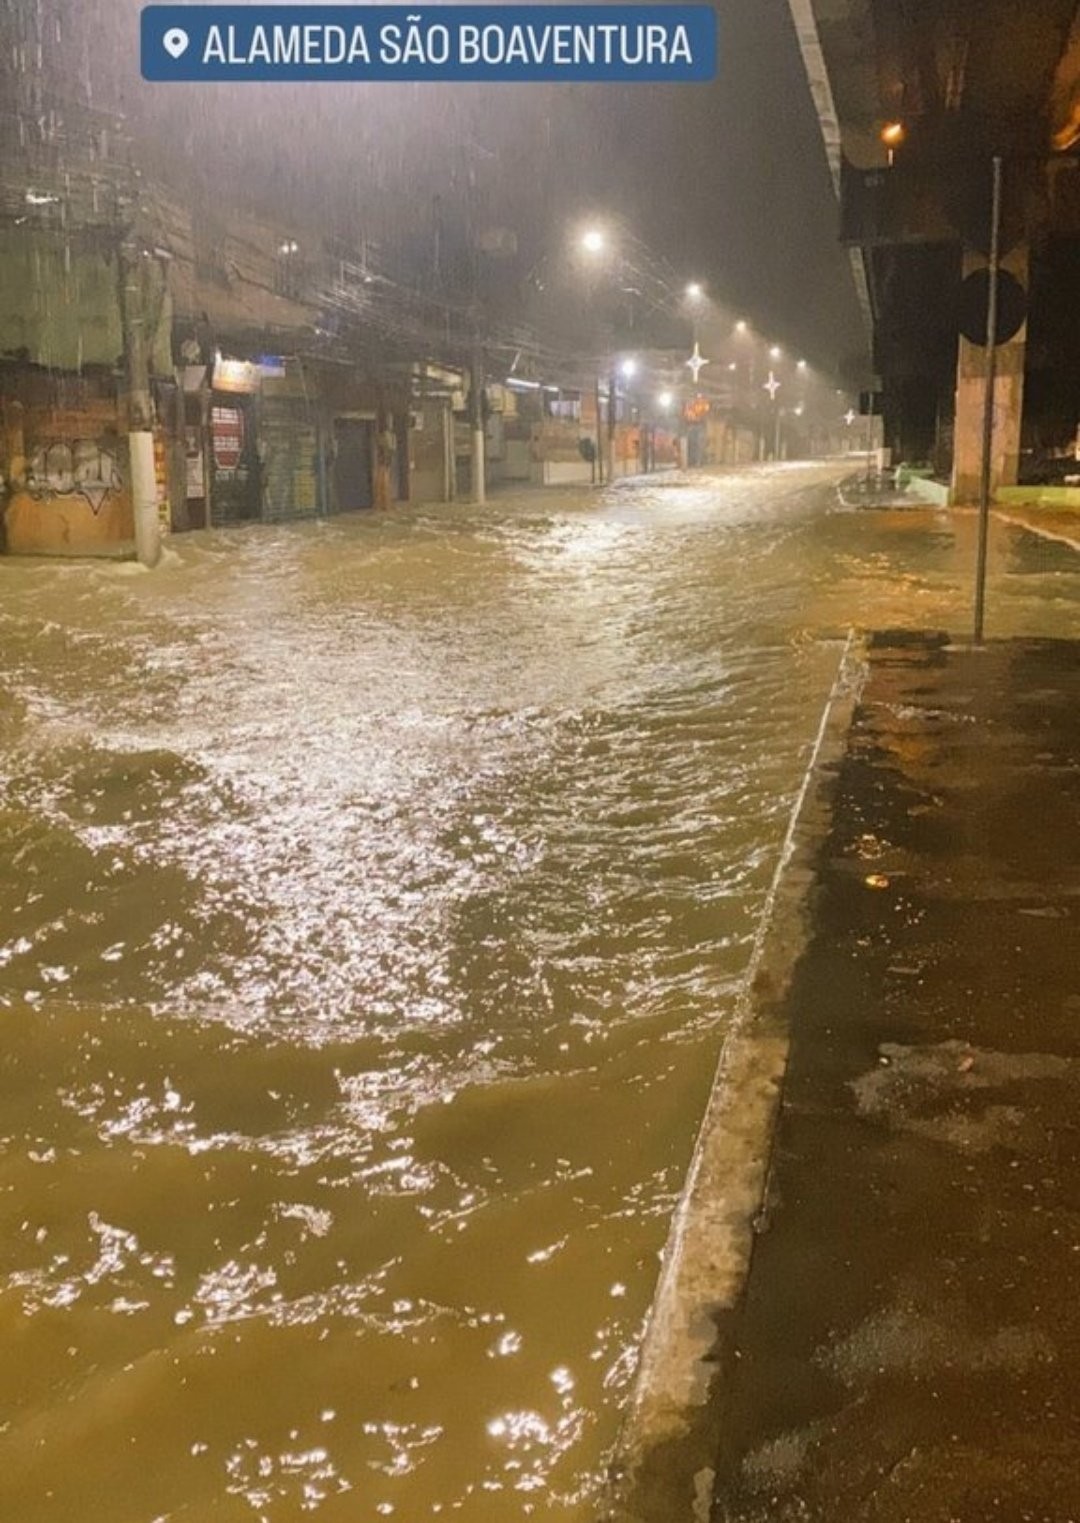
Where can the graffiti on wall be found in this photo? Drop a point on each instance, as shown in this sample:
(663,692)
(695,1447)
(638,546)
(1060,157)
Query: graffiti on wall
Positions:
(75,467)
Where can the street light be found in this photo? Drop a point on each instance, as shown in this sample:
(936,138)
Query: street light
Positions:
(629,368)
(695,295)
(742,326)
(594,244)
(801,365)
(893,136)
(775,352)
(664,401)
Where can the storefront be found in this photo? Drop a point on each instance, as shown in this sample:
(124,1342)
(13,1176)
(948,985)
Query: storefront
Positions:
(235,488)
(288,442)
(365,432)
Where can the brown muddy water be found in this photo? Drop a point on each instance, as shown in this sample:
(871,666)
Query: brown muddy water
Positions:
(373,897)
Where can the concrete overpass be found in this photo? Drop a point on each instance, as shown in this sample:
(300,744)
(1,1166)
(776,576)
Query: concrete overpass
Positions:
(915,97)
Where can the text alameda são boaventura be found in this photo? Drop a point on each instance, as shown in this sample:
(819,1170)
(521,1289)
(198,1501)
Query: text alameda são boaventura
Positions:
(560,44)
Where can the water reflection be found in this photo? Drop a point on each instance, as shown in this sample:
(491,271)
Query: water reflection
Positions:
(373,896)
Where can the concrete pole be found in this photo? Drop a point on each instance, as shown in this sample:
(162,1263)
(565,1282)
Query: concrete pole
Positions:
(206,403)
(476,410)
(178,511)
(449,456)
(612,404)
(986,464)
(598,463)
(132,268)
(1008,395)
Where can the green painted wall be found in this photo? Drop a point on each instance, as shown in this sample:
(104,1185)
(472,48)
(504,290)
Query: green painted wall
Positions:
(1043,496)
(59,302)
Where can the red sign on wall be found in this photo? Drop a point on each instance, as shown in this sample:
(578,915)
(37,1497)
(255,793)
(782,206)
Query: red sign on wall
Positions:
(227,439)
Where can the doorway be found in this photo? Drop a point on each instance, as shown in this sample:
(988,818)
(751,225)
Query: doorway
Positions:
(354,460)
(233,461)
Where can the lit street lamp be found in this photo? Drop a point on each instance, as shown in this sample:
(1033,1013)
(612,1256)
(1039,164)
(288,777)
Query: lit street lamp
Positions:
(610,249)
(593,242)
(695,296)
(893,135)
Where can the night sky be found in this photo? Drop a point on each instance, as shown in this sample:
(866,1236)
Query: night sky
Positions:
(734,174)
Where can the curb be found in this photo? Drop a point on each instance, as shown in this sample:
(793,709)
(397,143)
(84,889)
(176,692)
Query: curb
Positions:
(661,1470)
(1018,521)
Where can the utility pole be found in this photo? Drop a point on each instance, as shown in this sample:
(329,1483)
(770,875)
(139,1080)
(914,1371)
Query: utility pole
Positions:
(132,266)
(613,388)
(986,472)
(476,369)
(870,442)
(476,410)
(449,453)
(598,464)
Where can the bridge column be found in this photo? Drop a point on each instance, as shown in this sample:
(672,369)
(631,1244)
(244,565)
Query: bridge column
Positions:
(971,395)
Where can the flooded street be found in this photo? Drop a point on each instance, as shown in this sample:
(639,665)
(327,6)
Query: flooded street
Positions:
(373,896)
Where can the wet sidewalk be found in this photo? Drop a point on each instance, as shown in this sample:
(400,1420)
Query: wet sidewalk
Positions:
(1061,524)
(909,1340)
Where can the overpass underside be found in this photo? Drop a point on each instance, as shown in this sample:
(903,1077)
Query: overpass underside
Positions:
(915,99)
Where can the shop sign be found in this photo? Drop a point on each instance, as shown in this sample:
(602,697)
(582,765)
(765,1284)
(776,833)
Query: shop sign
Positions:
(227,439)
(236,376)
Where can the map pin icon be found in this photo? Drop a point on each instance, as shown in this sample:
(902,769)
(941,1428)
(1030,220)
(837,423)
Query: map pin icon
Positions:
(175,41)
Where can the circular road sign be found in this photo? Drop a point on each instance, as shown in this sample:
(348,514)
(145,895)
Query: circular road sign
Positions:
(975,306)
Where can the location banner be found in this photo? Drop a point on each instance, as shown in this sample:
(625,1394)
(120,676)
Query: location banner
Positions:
(511,43)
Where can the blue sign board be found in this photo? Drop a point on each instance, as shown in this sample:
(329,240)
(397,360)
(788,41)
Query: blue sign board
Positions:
(510,43)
